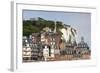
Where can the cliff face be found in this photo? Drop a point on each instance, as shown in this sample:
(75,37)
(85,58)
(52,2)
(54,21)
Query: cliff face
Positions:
(69,35)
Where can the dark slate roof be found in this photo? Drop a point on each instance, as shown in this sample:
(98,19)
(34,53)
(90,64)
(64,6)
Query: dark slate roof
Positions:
(82,44)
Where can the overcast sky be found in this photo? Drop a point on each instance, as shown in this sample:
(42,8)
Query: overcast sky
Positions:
(80,21)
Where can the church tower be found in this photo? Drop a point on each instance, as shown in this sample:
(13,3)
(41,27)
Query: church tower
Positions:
(55,27)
